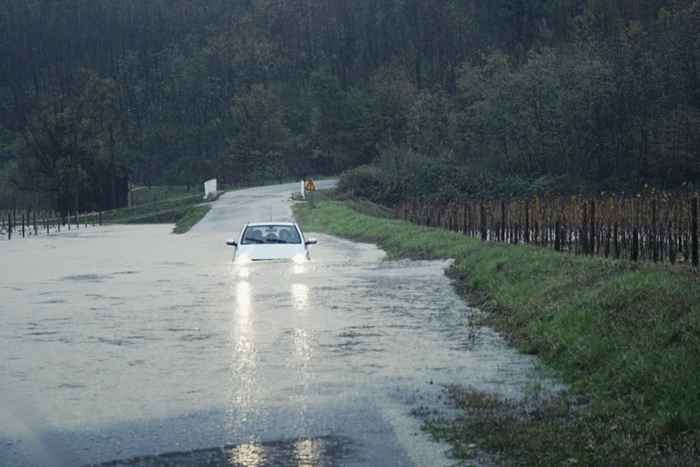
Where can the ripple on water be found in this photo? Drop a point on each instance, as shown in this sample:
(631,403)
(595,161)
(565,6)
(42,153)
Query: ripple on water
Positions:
(356,335)
(56,301)
(93,278)
(42,333)
(71,386)
(114,341)
(196,337)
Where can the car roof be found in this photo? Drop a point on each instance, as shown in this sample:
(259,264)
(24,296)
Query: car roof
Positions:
(266,224)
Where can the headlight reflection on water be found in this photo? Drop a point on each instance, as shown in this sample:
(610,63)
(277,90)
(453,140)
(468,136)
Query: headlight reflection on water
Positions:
(299,259)
(244,298)
(243,260)
(244,273)
(248,455)
(300,296)
(307,453)
(243,367)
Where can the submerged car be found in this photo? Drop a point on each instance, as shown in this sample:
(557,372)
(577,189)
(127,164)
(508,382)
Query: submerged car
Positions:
(278,241)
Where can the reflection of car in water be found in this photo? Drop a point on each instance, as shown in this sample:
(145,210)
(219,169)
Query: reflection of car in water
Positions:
(271,241)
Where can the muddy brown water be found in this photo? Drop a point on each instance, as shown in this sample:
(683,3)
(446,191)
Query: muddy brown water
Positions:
(132,345)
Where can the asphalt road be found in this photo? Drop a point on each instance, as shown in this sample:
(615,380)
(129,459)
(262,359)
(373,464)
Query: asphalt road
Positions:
(270,203)
(129,346)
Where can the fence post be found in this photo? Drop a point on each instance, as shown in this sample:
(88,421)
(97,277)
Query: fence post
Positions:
(482,221)
(635,233)
(694,233)
(654,234)
(24,215)
(526,236)
(592,233)
(503,222)
(583,229)
(671,244)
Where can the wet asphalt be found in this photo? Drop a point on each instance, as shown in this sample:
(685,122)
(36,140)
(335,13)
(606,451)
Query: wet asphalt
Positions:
(130,346)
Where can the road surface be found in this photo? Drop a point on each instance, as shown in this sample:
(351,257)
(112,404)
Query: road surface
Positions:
(124,343)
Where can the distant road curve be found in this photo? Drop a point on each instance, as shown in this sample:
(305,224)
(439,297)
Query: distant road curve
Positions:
(266,203)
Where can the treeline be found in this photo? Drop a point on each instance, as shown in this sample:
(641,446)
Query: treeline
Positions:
(449,97)
(612,107)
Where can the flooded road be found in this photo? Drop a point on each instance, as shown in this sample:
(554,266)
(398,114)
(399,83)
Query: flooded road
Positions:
(127,342)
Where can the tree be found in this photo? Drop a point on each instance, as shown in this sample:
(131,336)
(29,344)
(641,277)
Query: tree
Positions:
(258,135)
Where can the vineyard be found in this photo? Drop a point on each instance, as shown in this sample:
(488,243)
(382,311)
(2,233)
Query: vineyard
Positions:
(32,223)
(658,227)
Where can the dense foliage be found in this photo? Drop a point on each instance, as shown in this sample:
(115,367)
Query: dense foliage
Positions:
(491,94)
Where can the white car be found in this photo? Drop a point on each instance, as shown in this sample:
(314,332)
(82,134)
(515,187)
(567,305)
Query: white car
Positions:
(281,241)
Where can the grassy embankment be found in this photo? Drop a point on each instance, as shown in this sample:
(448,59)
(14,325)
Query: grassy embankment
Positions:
(625,337)
(160,205)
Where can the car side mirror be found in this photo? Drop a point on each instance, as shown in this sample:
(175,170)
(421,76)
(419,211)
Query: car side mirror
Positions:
(232,243)
(311,241)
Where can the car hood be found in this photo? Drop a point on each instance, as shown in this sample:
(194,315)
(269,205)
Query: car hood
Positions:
(271,251)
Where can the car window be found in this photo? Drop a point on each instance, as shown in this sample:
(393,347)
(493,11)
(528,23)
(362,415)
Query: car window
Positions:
(271,234)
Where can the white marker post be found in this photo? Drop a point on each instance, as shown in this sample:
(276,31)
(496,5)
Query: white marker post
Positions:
(303,190)
(210,188)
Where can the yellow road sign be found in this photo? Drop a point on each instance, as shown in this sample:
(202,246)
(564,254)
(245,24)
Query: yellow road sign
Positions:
(310,186)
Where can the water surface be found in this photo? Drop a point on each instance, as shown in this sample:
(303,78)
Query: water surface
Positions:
(128,341)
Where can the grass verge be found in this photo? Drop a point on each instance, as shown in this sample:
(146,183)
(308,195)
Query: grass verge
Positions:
(167,211)
(183,211)
(159,193)
(624,336)
(190,218)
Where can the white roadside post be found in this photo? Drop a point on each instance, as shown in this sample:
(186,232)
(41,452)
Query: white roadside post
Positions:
(210,188)
(303,190)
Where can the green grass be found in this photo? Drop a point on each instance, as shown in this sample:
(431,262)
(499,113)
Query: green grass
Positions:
(156,194)
(183,211)
(166,211)
(190,218)
(625,336)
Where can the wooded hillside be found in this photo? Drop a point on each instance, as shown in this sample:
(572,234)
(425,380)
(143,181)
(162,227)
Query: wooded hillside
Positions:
(480,96)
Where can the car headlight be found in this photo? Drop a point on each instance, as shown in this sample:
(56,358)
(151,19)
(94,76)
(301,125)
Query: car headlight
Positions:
(243,260)
(299,259)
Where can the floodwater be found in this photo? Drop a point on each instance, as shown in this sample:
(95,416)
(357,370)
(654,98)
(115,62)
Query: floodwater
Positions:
(123,343)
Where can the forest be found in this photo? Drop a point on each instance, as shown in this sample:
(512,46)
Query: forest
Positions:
(406,98)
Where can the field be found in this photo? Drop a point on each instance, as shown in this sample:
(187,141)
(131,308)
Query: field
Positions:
(625,336)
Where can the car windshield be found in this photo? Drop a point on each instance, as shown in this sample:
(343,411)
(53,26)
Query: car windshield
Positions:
(278,234)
